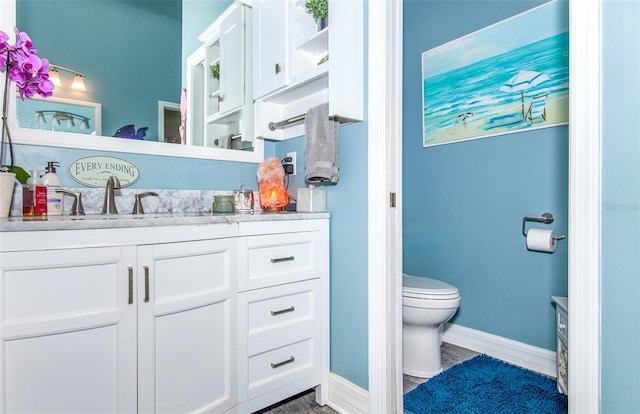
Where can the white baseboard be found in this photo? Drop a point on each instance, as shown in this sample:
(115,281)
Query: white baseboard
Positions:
(527,356)
(345,397)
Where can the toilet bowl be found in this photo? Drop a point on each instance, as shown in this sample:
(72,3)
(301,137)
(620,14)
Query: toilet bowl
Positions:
(426,305)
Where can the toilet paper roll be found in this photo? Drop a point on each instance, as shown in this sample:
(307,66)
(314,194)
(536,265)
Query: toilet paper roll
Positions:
(541,240)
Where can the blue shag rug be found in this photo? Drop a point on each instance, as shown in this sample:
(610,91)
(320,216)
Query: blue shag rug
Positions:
(486,385)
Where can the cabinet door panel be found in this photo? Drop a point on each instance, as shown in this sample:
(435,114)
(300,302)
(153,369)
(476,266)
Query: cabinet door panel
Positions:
(74,372)
(68,331)
(232,66)
(193,358)
(270,33)
(186,339)
(184,270)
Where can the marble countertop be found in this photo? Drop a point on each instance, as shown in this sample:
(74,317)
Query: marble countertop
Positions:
(67,222)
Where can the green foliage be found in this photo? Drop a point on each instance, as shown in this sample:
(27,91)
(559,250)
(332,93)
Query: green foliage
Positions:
(319,8)
(21,175)
(215,70)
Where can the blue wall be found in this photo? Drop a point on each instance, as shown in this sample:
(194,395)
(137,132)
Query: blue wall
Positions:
(464,202)
(131,59)
(620,259)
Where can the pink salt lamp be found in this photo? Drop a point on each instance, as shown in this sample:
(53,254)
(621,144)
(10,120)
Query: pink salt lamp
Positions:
(273,193)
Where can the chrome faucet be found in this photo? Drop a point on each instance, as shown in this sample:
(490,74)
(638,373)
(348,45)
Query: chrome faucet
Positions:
(109,205)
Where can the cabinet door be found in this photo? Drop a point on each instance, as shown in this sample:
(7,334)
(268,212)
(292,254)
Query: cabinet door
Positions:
(68,331)
(187,343)
(270,34)
(232,56)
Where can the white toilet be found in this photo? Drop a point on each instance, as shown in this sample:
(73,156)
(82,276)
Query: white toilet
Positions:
(426,305)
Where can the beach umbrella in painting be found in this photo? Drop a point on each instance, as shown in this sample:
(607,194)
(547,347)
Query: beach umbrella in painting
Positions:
(522,81)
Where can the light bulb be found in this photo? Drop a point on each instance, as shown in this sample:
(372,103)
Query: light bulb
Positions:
(78,83)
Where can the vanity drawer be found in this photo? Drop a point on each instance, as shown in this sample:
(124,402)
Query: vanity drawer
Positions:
(278,311)
(276,259)
(271,366)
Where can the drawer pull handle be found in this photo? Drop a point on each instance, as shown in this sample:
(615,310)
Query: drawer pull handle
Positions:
(283,259)
(130,269)
(281,311)
(279,364)
(146,284)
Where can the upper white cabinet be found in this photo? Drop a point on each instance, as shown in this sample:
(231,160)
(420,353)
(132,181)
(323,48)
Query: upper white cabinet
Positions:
(298,66)
(219,79)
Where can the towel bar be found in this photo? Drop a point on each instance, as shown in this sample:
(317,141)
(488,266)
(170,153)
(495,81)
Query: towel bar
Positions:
(287,122)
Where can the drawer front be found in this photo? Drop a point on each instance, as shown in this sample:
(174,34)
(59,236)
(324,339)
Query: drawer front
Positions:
(281,258)
(280,310)
(276,367)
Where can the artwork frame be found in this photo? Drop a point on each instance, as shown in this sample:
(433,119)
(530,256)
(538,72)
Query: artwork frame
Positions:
(508,77)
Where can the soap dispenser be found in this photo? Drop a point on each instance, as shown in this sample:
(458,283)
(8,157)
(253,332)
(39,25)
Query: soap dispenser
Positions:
(34,196)
(55,201)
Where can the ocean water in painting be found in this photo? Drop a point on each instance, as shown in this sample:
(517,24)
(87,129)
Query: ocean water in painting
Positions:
(468,102)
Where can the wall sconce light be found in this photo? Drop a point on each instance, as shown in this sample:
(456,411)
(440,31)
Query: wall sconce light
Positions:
(54,76)
(78,78)
(78,83)
(57,117)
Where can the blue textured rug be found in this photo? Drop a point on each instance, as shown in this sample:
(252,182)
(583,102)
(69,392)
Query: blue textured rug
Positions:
(486,385)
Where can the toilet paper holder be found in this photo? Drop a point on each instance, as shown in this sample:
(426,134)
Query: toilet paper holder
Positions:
(546,218)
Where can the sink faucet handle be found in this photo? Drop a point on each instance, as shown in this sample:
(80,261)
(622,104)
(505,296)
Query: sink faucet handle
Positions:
(137,205)
(76,208)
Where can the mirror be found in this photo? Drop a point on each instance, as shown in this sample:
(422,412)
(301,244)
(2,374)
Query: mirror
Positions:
(143,62)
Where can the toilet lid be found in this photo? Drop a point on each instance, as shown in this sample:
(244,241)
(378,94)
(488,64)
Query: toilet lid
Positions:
(416,285)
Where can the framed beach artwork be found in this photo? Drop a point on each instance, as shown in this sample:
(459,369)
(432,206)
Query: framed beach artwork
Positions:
(508,77)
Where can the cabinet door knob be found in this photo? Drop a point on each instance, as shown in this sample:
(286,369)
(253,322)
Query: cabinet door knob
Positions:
(278,68)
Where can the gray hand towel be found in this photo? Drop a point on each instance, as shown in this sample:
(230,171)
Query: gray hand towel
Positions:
(321,153)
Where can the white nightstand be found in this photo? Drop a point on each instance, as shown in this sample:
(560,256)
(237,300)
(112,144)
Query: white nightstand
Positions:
(562,342)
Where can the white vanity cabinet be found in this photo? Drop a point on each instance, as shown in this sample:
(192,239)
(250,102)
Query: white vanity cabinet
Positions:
(147,327)
(297,66)
(282,313)
(224,317)
(221,113)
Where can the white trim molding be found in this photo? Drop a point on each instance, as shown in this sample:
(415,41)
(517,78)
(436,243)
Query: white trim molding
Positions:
(345,397)
(384,221)
(517,353)
(585,171)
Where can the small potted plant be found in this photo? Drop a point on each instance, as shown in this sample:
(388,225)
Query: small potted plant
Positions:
(320,10)
(215,70)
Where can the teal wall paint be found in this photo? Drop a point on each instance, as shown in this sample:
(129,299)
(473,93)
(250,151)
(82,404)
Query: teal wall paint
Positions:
(620,258)
(150,57)
(347,203)
(464,202)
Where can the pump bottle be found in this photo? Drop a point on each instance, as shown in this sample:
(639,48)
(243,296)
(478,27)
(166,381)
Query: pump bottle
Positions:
(34,196)
(55,201)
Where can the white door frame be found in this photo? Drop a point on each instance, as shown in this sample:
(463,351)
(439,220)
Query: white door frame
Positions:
(385,222)
(385,254)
